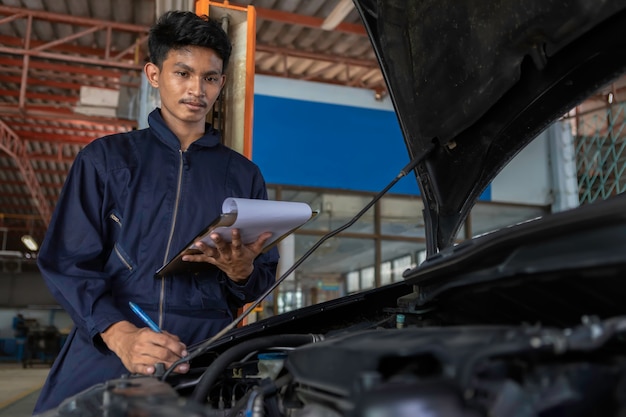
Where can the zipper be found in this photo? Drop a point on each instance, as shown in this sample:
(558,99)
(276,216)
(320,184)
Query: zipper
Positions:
(122,258)
(116,219)
(169,240)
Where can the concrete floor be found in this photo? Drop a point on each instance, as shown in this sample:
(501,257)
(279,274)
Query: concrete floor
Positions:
(19,388)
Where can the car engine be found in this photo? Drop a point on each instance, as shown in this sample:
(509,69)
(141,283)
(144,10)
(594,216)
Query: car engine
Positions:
(393,368)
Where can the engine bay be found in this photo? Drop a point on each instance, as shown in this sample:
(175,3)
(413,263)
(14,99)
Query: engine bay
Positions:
(393,368)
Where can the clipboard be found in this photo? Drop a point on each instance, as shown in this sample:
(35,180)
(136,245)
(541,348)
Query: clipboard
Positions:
(229,220)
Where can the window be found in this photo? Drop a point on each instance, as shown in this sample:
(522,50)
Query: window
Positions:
(392,231)
(353,283)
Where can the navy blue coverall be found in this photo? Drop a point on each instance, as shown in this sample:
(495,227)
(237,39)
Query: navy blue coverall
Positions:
(130,202)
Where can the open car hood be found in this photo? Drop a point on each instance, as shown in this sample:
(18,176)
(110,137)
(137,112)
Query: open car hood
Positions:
(474,83)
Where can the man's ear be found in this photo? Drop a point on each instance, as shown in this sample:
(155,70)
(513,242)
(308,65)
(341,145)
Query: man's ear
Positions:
(152,73)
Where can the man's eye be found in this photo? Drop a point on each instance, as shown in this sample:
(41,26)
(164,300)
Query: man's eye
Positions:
(181,73)
(212,79)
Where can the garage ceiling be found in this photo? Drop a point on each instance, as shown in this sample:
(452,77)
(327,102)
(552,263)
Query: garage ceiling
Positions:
(51,50)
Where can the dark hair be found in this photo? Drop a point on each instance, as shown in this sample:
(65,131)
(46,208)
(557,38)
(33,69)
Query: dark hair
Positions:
(178,29)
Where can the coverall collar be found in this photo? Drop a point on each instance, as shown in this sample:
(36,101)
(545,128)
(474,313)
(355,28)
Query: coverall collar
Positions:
(164,133)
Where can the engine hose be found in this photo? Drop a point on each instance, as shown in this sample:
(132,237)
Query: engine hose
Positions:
(212,373)
(265,388)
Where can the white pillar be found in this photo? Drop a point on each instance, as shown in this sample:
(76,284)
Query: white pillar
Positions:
(563,166)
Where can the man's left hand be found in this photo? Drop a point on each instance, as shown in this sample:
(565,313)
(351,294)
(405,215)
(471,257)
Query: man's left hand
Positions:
(234,258)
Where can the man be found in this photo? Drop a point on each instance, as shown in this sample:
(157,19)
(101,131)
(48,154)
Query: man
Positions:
(130,203)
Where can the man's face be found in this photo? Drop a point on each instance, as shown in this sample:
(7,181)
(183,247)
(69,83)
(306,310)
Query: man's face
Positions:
(189,83)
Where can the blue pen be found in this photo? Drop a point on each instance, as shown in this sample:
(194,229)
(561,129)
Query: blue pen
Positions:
(143,316)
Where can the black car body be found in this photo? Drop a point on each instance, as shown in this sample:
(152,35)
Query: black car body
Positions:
(528,320)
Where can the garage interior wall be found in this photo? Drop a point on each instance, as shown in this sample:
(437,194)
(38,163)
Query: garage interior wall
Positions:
(321,135)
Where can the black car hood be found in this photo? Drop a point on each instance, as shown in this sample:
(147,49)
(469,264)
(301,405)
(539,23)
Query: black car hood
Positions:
(474,82)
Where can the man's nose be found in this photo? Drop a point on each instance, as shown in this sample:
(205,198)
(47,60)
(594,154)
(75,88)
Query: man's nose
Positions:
(197,86)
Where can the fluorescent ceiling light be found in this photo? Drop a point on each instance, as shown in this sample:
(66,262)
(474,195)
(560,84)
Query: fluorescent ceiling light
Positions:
(30,242)
(337,15)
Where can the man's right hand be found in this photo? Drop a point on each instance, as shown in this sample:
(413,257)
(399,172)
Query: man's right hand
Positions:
(140,348)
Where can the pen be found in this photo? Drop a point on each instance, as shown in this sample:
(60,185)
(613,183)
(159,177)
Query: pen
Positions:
(143,316)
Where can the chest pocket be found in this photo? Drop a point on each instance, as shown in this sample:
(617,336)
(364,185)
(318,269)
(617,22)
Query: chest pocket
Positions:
(119,264)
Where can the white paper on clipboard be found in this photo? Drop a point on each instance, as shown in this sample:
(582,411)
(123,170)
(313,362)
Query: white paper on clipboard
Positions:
(255,217)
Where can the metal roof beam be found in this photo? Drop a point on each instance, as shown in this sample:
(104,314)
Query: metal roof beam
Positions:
(307,21)
(368,63)
(33,127)
(65,115)
(55,98)
(36,81)
(108,57)
(67,69)
(58,138)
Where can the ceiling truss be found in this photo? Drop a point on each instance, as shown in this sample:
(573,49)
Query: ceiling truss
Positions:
(47,57)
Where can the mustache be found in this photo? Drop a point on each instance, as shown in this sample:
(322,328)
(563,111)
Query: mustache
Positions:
(201,103)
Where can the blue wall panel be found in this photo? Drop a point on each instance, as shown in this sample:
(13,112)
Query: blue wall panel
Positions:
(315,144)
